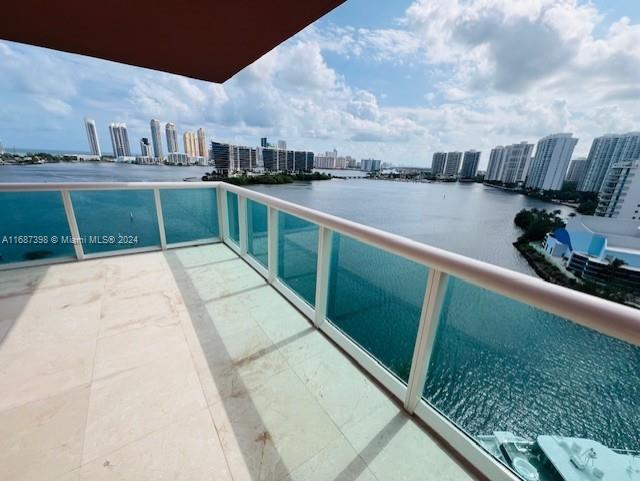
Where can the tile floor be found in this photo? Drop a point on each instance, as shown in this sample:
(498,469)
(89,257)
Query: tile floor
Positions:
(185,366)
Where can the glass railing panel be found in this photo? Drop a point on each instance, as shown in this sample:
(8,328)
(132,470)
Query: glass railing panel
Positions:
(189,214)
(33,226)
(232,217)
(375,298)
(298,255)
(502,365)
(257,232)
(110,220)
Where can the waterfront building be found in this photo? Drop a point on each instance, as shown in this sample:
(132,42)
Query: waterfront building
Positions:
(452,165)
(220,154)
(437,163)
(516,162)
(1,148)
(550,164)
(604,152)
(156,138)
(202,144)
(470,163)
(270,159)
(244,158)
(496,163)
(119,139)
(190,142)
(145,148)
(370,165)
(619,195)
(281,156)
(179,158)
(589,244)
(172,137)
(327,161)
(92,136)
(577,170)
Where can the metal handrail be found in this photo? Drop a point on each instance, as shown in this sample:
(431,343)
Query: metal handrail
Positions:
(610,318)
(607,317)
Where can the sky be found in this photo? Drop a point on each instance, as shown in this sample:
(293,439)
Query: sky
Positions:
(393,80)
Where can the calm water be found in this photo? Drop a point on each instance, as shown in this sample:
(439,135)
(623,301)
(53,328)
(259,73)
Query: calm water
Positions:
(497,364)
(469,219)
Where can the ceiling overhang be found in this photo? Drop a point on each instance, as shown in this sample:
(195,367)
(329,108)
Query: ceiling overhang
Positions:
(203,39)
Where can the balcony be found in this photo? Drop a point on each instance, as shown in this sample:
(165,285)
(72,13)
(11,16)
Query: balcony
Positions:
(233,335)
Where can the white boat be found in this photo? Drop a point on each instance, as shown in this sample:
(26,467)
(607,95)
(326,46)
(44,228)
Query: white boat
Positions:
(558,458)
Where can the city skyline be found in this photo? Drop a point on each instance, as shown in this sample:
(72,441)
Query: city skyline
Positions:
(376,83)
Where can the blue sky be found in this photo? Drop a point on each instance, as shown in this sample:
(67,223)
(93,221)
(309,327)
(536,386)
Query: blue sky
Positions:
(386,79)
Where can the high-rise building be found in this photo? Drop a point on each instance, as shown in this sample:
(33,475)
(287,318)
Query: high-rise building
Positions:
(282,144)
(120,139)
(550,164)
(270,159)
(470,163)
(452,166)
(496,163)
(1,147)
(620,193)
(437,163)
(202,144)
(92,136)
(172,137)
(370,165)
(516,163)
(264,142)
(156,138)
(577,170)
(221,155)
(145,148)
(604,152)
(190,144)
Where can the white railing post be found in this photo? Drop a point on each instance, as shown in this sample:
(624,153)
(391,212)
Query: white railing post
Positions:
(272,239)
(242,224)
(163,236)
(325,236)
(73,224)
(427,329)
(223,225)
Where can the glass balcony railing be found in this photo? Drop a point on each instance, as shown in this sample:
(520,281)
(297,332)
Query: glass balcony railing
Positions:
(503,366)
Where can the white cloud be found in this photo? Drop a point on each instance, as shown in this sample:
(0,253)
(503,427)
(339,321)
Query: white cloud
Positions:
(502,71)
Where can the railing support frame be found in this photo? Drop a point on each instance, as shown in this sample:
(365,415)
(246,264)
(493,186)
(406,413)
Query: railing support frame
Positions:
(73,224)
(163,236)
(325,237)
(427,329)
(272,253)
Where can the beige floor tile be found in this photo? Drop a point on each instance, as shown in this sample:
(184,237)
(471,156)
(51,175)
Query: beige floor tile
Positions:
(43,439)
(188,450)
(132,311)
(50,347)
(229,365)
(208,255)
(337,462)
(270,432)
(203,284)
(131,404)
(387,439)
(340,387)
(136,347)
(26,280)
